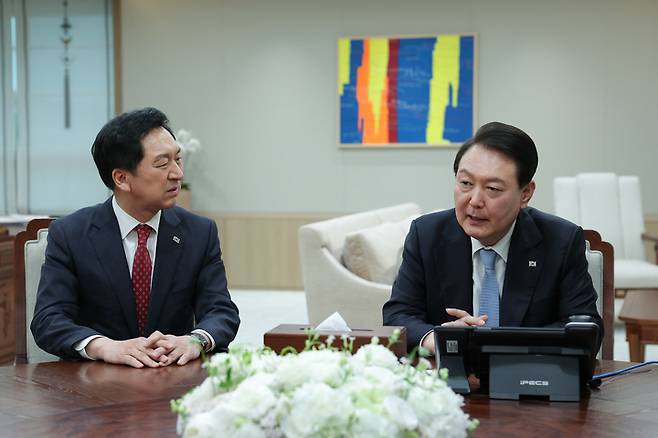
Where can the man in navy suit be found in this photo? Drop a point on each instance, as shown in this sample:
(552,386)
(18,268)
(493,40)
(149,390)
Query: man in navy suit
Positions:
(539,276)
(136,279)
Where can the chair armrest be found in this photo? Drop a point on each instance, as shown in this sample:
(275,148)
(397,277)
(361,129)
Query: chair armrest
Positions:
(649,238)
(653,239)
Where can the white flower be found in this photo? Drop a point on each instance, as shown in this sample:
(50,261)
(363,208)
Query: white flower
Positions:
(207,424)
(253,398)
(375,354)
(195,400)
(188,144)
(311,366)
(317,410)
(183,136)
(222,421)
(382,377)
(400,412)
(252,392)
(439,412)
(371,425)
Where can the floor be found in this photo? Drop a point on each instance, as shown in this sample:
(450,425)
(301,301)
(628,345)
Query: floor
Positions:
(261,310)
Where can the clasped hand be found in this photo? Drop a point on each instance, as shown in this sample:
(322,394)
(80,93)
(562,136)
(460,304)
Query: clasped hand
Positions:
(158,350)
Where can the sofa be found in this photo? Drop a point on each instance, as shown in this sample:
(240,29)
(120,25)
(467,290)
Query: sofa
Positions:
(349,263)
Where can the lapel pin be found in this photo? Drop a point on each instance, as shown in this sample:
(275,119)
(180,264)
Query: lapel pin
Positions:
(532,263)
(176,239)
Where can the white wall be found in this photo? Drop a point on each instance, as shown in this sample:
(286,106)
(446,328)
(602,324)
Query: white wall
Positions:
(255,81)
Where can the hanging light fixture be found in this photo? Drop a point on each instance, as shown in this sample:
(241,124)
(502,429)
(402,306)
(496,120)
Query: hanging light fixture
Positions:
(66,59)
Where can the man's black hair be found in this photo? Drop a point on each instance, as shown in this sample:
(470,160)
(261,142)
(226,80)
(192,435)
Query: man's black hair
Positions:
(118,145)
(509,141)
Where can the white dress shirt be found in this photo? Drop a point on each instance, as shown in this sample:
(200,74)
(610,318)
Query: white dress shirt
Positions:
(502,249)
(127,225)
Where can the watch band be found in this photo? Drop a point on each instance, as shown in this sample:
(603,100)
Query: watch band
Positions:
(204,341)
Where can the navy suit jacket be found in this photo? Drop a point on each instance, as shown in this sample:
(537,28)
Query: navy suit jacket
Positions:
(85,287)
(437,272)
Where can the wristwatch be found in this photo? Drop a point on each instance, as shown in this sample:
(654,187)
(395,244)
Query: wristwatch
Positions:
(203,341)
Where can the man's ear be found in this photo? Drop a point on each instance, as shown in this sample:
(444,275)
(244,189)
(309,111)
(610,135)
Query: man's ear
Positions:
(526,193)
(121,180)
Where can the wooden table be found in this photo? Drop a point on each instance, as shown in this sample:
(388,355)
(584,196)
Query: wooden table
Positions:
(640,313)
(92,399)
(97,399)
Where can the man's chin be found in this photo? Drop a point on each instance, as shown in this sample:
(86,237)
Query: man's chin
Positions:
(475,232)
(169,203)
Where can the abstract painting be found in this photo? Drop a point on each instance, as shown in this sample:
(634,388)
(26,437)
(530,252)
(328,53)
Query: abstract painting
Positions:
(416,91)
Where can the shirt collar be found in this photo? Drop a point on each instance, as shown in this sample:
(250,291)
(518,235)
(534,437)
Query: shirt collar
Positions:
(501,247)
(127,223)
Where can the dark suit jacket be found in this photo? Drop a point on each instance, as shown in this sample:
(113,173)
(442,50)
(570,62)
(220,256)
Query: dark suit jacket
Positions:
(437,272)
(85,287)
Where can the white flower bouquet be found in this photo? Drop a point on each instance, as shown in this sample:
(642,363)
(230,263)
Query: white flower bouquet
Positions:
(321,392)
(188,147)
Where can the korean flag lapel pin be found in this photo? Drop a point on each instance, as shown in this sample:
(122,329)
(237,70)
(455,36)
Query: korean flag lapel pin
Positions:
(176,239)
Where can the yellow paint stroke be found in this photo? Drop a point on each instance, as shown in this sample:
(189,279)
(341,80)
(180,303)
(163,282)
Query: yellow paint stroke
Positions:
(445,68)
(343,63)
(377,83)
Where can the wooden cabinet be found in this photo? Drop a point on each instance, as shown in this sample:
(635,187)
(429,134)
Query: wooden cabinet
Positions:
(7,329)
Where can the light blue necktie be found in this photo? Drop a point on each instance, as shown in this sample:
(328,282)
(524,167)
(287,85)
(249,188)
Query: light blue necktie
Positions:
(489,297)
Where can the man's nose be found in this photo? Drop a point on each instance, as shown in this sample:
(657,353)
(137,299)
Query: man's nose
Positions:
(177,171)
(476,197)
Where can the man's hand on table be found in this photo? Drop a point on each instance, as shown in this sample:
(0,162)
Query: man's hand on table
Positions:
(464,319)
(157,350)
(180,349)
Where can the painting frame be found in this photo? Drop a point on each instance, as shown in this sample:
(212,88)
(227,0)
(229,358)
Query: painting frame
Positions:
(396,80)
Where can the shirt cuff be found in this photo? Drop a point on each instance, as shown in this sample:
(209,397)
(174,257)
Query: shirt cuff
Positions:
(80,346)
(424,336)
(202,332)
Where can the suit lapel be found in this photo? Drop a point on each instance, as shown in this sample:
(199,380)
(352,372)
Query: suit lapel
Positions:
(455,268)
(171,241)
(524,263)
(106,241)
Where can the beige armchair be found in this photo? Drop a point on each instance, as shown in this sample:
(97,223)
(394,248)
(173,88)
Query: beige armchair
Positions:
(329,285)
(612,205)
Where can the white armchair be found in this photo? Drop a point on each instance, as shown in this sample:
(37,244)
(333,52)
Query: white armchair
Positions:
(600,255)
(612,205)
(29,253)
(329,285)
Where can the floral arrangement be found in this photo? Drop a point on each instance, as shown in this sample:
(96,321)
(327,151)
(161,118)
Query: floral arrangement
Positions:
(188,146)
(321,392)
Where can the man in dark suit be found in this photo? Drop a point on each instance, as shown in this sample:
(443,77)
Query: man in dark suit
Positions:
(491,260)
(136,279)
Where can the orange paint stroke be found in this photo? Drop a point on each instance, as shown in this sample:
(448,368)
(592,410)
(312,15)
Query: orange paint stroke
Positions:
(366,114)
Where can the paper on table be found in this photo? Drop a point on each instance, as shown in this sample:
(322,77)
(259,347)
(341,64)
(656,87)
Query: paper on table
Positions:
(335,322)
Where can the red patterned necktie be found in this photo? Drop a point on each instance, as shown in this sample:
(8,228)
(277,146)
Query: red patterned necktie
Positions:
(142,276)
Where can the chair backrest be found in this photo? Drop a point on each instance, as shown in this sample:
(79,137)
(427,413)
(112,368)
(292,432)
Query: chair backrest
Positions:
(600,259)
(328,284)
(605,202)
(331,233)
(29,255)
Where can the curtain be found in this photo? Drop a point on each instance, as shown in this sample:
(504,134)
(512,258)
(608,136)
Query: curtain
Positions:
(58,90)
